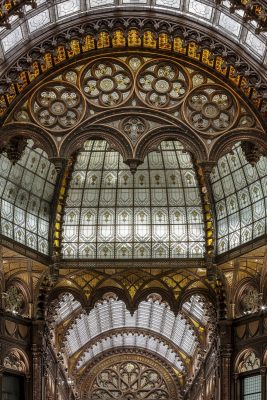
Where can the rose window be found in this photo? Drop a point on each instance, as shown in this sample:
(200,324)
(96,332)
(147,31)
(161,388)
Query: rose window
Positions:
(129,381)
(107,84)
(58,106)
(210,109)
(162,84)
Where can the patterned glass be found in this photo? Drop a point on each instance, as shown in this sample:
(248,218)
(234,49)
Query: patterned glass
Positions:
(26,194)
(112,214)
(239,192)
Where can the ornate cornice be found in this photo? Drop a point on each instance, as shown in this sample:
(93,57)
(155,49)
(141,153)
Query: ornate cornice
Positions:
(184,41)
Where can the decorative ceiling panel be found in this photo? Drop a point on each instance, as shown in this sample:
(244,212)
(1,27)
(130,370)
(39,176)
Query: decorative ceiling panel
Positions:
(111,213)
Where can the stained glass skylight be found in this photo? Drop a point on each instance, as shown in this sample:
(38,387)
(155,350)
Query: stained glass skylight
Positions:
(206,12)
(239,191)
(113,314)
(110,213)
(26,193)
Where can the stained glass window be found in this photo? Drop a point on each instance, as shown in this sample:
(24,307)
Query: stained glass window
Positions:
(12,39)
(39,20)
(111,213)
(68,7)
(239,191)
(26,193)
(251,387)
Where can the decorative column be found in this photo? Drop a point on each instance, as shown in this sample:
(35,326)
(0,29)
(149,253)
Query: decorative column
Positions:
(225,355)
(37,359)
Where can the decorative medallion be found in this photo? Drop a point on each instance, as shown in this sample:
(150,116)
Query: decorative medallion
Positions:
(210,108)
(250,300)
(14,300)
(107,83)
(249,362)
(162,84)
(134,127)
(58,106)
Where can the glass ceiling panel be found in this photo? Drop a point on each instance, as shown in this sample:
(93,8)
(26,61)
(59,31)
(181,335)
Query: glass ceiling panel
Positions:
(206,12)
(110,213)
(240,195)
(132,340)
(195,307)
(26,194)
(67,305)
(113,314)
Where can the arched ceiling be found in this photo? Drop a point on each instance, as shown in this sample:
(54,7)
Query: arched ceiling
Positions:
(84,336)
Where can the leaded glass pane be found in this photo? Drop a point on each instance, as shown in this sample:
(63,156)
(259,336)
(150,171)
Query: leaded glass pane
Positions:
(25,216)
(129,216)
(239,191)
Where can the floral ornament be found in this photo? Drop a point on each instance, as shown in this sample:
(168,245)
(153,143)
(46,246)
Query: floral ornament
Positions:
(58,106)
(162,84)
(129,381)
(210,109)
(134,127)
(106,83)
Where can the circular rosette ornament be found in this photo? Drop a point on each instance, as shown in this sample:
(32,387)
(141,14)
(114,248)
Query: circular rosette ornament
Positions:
(162,84)
(210,109)
(107,83)
(58,106)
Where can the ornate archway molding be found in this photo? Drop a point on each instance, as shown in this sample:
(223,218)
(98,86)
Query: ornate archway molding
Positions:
(168,381)
(188,41)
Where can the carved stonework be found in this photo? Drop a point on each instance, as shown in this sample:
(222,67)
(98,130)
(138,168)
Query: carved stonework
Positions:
(252,152)
(14,149)
(15,361)
(249,362)
(14,300)
(134,127)
(130,377)
(249,300)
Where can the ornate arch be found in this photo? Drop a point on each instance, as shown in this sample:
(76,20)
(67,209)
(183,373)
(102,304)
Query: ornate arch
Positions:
(247,360)
(16,359)
(171,386)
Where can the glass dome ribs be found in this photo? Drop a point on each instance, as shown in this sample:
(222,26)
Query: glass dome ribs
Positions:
(132,340)
(26,194)
(112,214)
(207,13)
(152,316)
(239,191)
